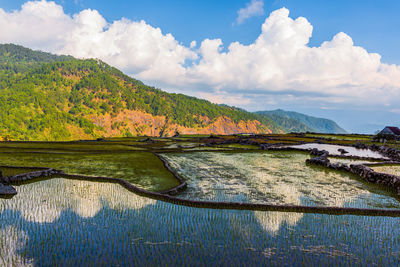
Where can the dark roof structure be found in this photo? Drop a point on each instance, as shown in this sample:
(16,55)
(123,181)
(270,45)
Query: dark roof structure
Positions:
(395,130)
(391,130)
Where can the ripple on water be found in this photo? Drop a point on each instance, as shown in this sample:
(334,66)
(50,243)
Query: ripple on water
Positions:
(79,223)
(272,177)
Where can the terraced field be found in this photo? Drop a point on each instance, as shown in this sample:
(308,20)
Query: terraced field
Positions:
(70,220)
(66,222)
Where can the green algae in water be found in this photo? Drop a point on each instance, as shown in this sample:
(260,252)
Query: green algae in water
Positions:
(240,146)
(9,171)
(143,169)
(79,223)
(349,161)
(78,146)
(273,177)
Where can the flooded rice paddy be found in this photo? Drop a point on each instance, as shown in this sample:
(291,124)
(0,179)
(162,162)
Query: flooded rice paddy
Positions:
(273,177)
(139,168)
(66,222)
(389,168)
(349,161)
(333,150)
(79,223)
(8,171)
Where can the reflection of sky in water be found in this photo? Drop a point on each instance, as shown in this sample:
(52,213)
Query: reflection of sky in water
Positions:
(333,150)
(87,223)
(273,177)
(45,203)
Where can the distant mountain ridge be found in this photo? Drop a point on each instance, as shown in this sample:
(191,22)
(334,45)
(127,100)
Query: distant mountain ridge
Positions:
(56,97)
(292,121)
(49,97)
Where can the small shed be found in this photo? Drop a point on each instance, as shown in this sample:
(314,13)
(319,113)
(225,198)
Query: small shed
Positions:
(390,130)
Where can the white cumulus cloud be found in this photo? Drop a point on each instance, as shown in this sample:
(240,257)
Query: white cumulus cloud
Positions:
(134,46)
(279,66)
(254,8)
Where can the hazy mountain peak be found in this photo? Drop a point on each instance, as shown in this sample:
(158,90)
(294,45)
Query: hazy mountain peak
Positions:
(293,121)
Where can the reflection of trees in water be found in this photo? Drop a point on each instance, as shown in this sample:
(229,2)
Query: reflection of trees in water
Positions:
(44,201)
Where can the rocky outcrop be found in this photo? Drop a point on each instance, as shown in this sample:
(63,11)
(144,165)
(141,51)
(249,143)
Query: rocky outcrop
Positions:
(390,180)
(29,175)
(389,152)
(167,196)
(365,172)
(319,153)
(7,190)
(321,159)
(136,122)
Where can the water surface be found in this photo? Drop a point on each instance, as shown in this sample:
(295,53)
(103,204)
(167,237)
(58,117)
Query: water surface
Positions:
(333,150)
(273,177)
(140,168)
(349,161)
(389,168)
(78,223)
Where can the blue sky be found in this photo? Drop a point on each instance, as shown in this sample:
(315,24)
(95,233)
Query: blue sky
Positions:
(365,85)
(372,24)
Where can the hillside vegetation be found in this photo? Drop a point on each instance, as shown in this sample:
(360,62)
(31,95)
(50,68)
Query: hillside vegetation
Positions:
(292,121)
(49,97)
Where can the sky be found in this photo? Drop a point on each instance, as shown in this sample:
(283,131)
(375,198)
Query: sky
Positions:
(335,59)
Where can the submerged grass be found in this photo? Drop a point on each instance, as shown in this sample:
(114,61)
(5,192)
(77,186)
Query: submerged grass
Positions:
(387,168)
(142,169)
(84,146)
(273,177)
(75,223)
(240,146)
(7,171)
(349,161)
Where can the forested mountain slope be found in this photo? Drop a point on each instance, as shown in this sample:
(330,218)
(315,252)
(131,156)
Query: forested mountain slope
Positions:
(49,97)
(292,121)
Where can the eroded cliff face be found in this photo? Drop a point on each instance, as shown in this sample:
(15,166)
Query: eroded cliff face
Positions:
(141,123)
